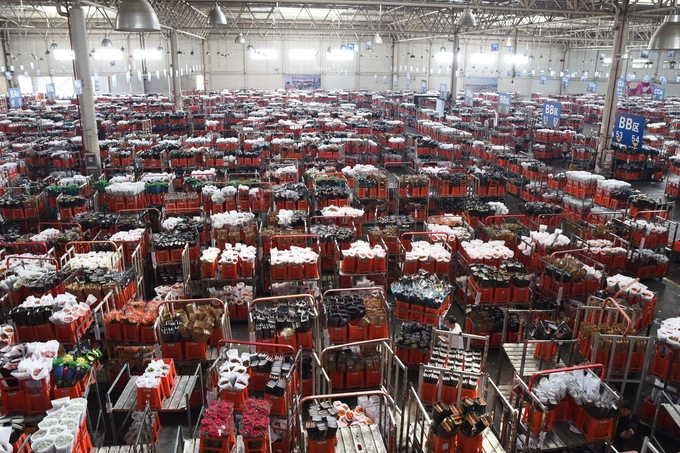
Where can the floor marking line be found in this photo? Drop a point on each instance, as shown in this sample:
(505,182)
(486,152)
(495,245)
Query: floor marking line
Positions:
(672,282)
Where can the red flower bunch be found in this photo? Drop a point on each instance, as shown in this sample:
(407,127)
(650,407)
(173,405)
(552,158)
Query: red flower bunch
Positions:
(255,420)
(217,420)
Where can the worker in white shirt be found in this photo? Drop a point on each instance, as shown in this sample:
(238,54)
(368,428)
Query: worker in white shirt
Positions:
(452,326)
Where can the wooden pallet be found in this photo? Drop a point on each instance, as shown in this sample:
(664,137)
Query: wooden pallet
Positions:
(177,401)
(360,438)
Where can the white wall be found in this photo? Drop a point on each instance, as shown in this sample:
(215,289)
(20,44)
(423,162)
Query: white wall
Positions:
(365,71)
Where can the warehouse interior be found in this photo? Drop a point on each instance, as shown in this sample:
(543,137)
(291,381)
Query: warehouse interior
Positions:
(339,227)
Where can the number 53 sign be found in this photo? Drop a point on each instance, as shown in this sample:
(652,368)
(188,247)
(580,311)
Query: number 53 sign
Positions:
(629,130)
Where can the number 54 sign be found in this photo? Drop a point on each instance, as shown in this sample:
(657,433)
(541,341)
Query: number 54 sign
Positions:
(629,130)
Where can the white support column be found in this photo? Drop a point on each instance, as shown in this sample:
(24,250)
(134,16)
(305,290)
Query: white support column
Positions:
(454,70)
(393,67)
(176,82)
(611,98)
(88,120)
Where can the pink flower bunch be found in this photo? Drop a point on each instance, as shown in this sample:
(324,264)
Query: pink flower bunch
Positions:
(255,420)
(217,420)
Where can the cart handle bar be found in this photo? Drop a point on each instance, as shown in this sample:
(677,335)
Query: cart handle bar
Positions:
(538,374)
(356,343)
(560,252)
(37,258)
(60,224)
(40,245)
(255,343)
(341,395)
(660,211)
(343,290)
(280,298)
(513,216)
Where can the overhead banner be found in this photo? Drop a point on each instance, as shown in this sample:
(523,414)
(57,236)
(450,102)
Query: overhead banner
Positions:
(50,92)
(469,96)
(303,81)
(565,82)
(504,101)
(544,79)
(658,93)
(551,114)
(15,99)
(629,130)
(592,87)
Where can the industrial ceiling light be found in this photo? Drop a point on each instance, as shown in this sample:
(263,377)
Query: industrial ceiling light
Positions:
(136,16)
(122,49)
(467,19)
(240,39)
(192,53)
(508,42)
(343,46)
(667,36)
(54,45)
(216,16)
(329,50)
(412,56)
(442,49)
(47,52)
(106,42)
(92,51)
(377,39)
(250,47)
(159,49)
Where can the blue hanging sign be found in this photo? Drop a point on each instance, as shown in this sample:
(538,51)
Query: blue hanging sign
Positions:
(646,79)
(495,47)
(509,48)
(670,53)
(551,114)
(629,130)
(469,96)
(544,79)
(658,93)
(663,80)
(15,99)
(644,53)
(620,87)
(565,82)
(50,92)
(504,100)
(592,87)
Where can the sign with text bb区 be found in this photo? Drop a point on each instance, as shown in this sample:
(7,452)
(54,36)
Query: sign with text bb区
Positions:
(504,101)
(629,130)
(551,114)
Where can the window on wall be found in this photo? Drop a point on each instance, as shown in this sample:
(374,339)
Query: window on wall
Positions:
(301,54)
(516,59)
(340,55)
(148,54)
(63,54)
(108,54)
(264,54)
(480,58)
